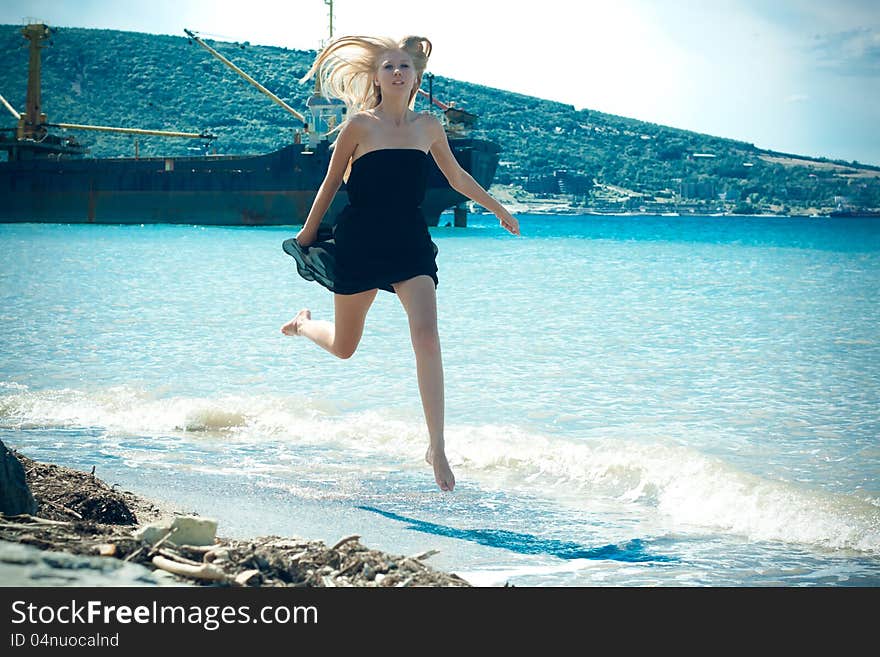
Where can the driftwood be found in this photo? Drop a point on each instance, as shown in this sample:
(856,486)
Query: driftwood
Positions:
(160,541)
(27,518)
(421,556)
(134,554)
(170,554)
(203,571)
(108,519)
(343,541)
(65,509)
(245,576)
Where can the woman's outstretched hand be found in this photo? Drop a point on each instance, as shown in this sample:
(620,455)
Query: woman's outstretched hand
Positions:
(508,221)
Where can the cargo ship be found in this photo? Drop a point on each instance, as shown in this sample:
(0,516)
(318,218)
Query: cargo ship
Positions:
(47,178)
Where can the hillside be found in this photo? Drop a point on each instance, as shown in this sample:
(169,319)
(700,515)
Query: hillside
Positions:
(580,159)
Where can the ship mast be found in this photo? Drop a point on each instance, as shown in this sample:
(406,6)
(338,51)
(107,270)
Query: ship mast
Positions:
(33,123)
(247,77)
(32,126)
(329,3)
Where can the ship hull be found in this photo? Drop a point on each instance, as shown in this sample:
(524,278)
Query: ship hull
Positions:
(274,189)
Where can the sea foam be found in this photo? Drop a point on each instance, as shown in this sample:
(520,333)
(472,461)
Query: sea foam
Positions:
(686,490)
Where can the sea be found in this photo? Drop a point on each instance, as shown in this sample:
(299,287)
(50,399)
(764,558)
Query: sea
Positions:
(630,400)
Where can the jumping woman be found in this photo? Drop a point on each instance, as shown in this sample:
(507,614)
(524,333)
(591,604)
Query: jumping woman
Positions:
(380,240)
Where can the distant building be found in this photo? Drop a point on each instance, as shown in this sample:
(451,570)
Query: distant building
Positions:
(559,182)
(704,189)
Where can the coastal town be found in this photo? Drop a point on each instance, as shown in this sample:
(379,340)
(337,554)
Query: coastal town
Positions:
(565,192)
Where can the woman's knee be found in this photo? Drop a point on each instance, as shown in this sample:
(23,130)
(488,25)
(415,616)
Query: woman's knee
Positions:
(344,350)
(346,338)
(351,314)
(425,337)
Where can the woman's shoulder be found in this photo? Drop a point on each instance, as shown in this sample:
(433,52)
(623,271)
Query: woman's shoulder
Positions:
(427,121)
(427,116)
(355,126)
(361,117)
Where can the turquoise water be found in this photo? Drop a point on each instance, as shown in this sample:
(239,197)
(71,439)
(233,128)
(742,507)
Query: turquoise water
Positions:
(629,400)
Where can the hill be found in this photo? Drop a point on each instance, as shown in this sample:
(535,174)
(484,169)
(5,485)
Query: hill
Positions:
(579,159)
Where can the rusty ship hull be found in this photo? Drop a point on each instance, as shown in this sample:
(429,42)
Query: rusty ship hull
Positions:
(275,188)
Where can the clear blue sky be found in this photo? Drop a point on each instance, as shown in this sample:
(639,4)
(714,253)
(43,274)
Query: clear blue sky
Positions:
(799,76)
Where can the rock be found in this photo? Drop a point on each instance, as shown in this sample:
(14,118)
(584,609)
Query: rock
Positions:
(15,496)
(106,549)
(189,530)
(25,565)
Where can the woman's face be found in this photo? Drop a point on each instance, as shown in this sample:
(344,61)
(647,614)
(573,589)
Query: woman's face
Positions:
(396,73)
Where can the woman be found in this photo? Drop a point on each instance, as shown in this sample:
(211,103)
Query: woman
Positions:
(380,240)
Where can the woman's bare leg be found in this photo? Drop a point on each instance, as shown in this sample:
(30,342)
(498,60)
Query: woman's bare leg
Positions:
(419,299)
(341,336)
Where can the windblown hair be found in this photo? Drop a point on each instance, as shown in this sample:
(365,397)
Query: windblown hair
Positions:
(344,69)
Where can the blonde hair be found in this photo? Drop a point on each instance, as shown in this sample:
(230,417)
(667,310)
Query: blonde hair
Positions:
(345,68)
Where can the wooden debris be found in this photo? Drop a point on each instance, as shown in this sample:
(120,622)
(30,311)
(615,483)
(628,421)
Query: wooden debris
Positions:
(266,561)
(421,556)
(64,508)
(246,576)
(201,549)
(203,571)
(345,540)
(156,545)
(413,564)
(355,565)
(216,553)
(174,556)
(134,554)
(299,555)
(29,518)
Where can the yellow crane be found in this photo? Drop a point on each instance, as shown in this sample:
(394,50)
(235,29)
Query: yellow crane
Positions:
(33,123)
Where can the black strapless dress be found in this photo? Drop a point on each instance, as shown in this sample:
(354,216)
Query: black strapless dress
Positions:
(381,236)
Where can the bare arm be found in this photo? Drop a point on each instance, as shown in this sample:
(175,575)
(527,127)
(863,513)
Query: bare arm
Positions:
(348,139)
(462,182)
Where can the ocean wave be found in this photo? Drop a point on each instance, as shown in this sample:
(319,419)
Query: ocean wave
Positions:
(688,490)
(129,410)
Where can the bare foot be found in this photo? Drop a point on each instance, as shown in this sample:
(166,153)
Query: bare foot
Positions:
(442,472)
(292,327)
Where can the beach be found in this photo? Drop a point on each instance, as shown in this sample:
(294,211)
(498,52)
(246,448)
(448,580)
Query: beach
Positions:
(630,401)
(78,514)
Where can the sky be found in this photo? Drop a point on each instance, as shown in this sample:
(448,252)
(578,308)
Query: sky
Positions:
(797,76)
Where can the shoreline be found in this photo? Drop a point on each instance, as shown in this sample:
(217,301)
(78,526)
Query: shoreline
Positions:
(519,201)
(549,210)
(593,213)
(92,523)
